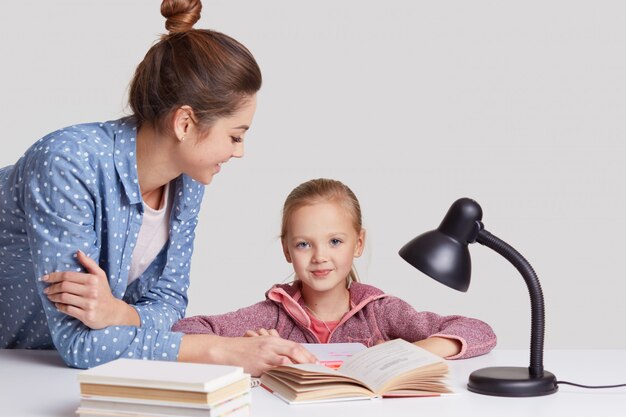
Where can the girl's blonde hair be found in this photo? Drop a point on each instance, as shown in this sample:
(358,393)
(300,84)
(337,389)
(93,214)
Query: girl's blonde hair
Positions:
(323,190)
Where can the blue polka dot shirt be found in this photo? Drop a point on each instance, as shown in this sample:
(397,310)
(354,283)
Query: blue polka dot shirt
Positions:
(77,188)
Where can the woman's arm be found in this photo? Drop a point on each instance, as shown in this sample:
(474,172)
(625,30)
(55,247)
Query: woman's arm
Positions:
(254,354)
(87,296)
(233,324)
(203,343)
(60,197)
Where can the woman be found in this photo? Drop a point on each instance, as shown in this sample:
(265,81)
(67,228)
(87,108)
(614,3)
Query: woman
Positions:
(98,220)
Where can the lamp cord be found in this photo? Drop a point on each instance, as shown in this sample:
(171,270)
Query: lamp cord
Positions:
(590,386)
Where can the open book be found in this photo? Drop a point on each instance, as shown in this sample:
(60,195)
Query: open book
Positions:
(392,369)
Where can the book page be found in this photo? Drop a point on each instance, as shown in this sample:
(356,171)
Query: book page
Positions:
(313,372)
(381,363)
(333,355)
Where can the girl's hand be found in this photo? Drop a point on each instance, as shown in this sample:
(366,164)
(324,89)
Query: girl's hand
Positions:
(87,296)
(441,346)
(254,354)
(261,332)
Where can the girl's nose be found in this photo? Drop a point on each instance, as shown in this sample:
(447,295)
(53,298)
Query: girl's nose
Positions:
(319,256)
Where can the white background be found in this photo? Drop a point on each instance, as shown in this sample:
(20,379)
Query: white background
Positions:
(413,104)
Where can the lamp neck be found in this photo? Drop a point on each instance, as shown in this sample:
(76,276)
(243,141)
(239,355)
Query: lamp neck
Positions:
(462,221)
(536,296)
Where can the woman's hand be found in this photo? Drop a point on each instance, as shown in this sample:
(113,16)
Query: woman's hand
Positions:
(254,354)
(87,296)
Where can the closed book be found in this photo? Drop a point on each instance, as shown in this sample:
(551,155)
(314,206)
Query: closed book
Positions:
(178,396)
(177,382)
(160,409)
(243,411)
(180,376)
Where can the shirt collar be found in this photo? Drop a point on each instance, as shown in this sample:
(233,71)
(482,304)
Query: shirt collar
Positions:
(187,191)
(187,197)
(125,157)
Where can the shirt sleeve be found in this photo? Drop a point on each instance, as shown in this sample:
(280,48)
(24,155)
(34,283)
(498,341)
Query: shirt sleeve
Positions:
(59,201)
(398,319)
(263,315)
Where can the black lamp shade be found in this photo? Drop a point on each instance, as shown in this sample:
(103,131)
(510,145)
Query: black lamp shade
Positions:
(442,254)
(440,257)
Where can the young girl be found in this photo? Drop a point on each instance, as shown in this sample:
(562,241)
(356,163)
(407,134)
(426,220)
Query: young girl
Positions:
(321,235)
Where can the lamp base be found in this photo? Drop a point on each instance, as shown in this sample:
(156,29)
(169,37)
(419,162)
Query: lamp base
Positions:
(510,381)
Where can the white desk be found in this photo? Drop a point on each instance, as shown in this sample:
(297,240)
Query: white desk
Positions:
(37,383)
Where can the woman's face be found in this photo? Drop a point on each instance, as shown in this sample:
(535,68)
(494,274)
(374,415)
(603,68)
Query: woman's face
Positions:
(202,154)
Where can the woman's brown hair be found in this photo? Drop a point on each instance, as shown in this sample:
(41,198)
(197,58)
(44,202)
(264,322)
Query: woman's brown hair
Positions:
(206,70)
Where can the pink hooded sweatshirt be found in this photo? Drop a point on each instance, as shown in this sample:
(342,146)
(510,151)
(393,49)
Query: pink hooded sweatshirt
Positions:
(373,316)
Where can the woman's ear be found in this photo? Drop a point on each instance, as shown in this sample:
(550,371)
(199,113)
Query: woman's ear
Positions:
(182,120)
(286,251)
(360,244)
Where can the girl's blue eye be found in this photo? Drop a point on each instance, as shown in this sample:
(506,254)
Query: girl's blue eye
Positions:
(237,139)
(302,245)
(335,242)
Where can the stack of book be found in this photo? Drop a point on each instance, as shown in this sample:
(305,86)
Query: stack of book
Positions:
(133,388)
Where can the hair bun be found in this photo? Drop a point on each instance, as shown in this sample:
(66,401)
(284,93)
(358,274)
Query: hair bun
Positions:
(181,15)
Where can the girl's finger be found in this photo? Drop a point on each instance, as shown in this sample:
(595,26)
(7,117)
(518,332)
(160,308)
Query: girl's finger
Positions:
(263,332)
(251,333)
(273,332)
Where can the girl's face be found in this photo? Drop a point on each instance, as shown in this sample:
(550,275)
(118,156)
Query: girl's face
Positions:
(321,243)
(201,155)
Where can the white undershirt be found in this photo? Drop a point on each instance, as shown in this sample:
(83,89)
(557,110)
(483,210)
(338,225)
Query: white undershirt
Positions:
(153,235)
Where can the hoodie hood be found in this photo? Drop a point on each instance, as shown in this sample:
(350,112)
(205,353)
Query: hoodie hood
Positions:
(289,296)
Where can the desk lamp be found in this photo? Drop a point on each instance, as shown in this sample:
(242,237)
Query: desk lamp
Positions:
(443,255)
